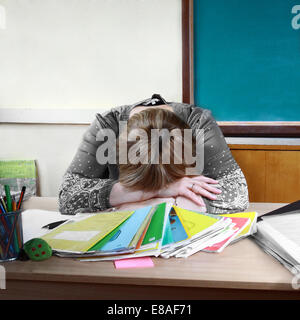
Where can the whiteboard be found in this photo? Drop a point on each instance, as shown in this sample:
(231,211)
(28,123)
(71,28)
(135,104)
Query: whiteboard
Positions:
(88,54)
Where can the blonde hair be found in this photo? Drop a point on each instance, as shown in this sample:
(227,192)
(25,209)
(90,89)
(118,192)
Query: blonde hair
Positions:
(151,176)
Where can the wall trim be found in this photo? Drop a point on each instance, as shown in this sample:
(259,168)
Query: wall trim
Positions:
(57,116)
(235,141)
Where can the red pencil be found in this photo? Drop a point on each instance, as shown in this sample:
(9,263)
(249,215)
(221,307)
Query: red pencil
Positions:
(21,198)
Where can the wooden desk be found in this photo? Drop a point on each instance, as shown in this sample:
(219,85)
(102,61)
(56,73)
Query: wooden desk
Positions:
(241,271)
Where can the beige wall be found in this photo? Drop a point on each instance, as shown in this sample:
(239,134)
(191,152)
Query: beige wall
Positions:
(60,59)
(52,146)
(70,54)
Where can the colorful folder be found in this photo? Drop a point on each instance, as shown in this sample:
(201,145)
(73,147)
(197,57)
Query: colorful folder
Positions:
(250,228)
(162,229)
(125,233)
(79,236)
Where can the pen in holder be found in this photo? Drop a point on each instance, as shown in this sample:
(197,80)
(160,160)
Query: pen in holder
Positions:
(11,235)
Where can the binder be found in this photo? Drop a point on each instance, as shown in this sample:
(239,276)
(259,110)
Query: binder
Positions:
(290,208)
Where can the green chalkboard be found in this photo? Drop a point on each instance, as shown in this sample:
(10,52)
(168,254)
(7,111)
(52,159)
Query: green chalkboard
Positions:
(247,59)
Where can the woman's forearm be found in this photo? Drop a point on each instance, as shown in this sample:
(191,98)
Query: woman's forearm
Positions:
(80,194)
(120,195)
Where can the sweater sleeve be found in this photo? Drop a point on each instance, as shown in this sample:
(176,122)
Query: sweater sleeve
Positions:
(220,165)
(86,185)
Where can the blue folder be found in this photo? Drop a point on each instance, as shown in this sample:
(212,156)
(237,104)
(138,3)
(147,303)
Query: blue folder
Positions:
(177,228)
(127,230)
(168,237)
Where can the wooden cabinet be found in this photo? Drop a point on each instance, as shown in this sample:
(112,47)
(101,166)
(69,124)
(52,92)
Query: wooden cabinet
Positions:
(272,172)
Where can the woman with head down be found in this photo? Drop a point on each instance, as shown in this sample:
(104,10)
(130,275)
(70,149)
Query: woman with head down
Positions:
(162,151)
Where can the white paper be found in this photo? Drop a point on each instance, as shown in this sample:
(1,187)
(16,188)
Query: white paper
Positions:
(33,221)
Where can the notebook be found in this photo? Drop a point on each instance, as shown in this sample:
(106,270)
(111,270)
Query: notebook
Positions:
(279,236)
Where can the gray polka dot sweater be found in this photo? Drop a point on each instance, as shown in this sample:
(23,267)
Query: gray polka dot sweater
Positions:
(87,185)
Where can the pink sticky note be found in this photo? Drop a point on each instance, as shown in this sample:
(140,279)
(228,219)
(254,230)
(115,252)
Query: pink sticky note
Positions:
(144,262)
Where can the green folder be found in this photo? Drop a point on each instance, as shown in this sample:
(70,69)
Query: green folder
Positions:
(155,230)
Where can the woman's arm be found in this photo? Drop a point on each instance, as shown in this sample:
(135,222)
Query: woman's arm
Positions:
(220,165)
(80,194)
(120,195)
(86,185)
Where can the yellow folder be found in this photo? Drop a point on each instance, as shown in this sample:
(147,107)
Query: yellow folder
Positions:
(194,222)
(81,235)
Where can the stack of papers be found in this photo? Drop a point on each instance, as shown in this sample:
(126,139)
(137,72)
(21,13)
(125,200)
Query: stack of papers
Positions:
(161,230)
(205,232)
(279,236)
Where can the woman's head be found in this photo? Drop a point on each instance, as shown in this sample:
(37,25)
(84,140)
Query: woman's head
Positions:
(154,140)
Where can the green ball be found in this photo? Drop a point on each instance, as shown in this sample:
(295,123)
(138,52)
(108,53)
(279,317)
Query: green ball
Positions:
(37,249)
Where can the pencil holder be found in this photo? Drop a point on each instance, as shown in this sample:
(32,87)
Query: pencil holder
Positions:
(11,235)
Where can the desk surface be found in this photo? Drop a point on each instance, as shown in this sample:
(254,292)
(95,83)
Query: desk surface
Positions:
(242,265)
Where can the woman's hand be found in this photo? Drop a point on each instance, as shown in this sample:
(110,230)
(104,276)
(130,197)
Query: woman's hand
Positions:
(120,195)
(188,204)
(192,188)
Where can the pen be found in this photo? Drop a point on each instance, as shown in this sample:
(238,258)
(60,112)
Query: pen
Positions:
(3,218)
(2,209)
(21,198)
(3,204)
(54,224)
(11,234)
(8,198)
(2,244)
(15,241)
(16,235)
(5,231)
(14,205)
